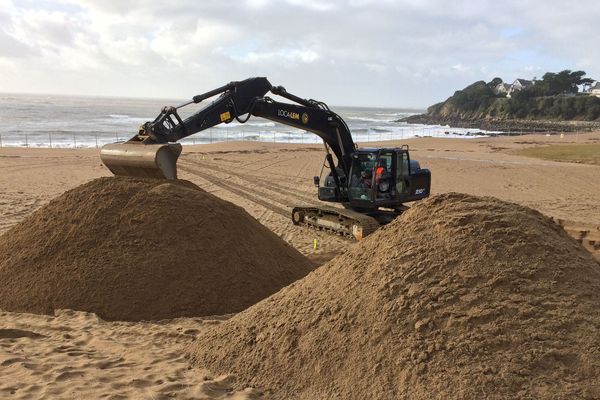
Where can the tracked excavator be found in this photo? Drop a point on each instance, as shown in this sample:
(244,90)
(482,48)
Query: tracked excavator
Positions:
(371,184)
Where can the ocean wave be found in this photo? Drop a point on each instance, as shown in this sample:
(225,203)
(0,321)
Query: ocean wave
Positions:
(394,114)
(367,119)
(103,121)
(238,125)
(122,119)
(262,124)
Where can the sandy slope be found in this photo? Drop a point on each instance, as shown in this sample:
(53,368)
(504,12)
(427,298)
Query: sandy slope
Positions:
(464,314)
(267,180)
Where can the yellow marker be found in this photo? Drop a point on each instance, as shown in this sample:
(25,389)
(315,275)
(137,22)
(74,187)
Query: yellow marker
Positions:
(226,116)
(314,244)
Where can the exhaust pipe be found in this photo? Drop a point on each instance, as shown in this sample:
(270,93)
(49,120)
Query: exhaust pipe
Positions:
(142,160)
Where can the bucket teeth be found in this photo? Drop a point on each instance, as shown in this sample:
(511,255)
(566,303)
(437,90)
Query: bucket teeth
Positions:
(142,160)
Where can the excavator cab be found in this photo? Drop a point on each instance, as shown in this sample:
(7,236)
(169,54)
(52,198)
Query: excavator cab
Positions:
(379,178)
(385,178)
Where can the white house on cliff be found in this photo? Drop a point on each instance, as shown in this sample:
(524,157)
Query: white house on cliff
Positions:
(595,89)
(517,85)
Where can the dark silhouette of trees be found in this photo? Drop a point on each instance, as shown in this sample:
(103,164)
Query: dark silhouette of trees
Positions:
(494,82)
(565,81)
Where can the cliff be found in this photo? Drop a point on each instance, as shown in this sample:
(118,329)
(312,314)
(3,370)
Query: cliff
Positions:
(478,105)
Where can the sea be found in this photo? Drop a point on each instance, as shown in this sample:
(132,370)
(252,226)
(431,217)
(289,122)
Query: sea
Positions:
(85,122)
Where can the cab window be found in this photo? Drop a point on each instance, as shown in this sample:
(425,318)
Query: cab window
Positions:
(361,179)
(402,172)
(383,176)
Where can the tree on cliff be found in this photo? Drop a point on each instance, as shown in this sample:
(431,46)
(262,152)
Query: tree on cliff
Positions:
(473,97)
(494,82)
(565,81)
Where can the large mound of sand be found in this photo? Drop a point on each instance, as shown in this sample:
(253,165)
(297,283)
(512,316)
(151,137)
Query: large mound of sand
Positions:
(460,297)
(134,249)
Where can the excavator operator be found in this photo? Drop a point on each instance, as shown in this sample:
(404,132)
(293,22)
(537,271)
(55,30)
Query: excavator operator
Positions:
(382,181)
(379,171)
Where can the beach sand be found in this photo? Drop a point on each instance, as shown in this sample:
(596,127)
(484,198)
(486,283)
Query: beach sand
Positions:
(75,354)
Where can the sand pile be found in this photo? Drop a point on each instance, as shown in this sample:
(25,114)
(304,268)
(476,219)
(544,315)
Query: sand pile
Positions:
(134,249)
(460,297)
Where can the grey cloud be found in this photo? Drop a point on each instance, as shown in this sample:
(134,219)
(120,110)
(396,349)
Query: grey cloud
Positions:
(403,53)
(13,48)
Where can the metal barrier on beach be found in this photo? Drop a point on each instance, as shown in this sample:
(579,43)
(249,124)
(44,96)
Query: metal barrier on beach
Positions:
(216,135)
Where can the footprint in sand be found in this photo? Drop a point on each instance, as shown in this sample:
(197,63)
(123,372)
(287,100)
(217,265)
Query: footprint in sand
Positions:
(64,376)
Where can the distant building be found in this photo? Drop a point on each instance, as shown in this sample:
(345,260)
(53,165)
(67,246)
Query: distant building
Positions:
(502,88)
(595,89)
(518,85)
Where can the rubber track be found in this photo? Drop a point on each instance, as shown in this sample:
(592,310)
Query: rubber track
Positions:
(368,224)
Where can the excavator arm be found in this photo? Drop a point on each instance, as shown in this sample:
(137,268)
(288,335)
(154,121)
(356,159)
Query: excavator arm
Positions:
(153,151)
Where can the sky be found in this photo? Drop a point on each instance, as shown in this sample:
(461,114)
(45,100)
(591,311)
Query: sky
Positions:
(404,53)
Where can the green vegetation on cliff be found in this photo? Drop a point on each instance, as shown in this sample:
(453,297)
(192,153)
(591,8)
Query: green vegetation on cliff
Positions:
(555,97)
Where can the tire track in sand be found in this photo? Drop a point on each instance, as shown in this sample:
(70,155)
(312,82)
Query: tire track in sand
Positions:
(243,193)
(263,182)
(300,237)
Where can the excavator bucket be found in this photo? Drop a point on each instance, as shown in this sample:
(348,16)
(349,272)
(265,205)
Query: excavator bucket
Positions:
(142,160)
